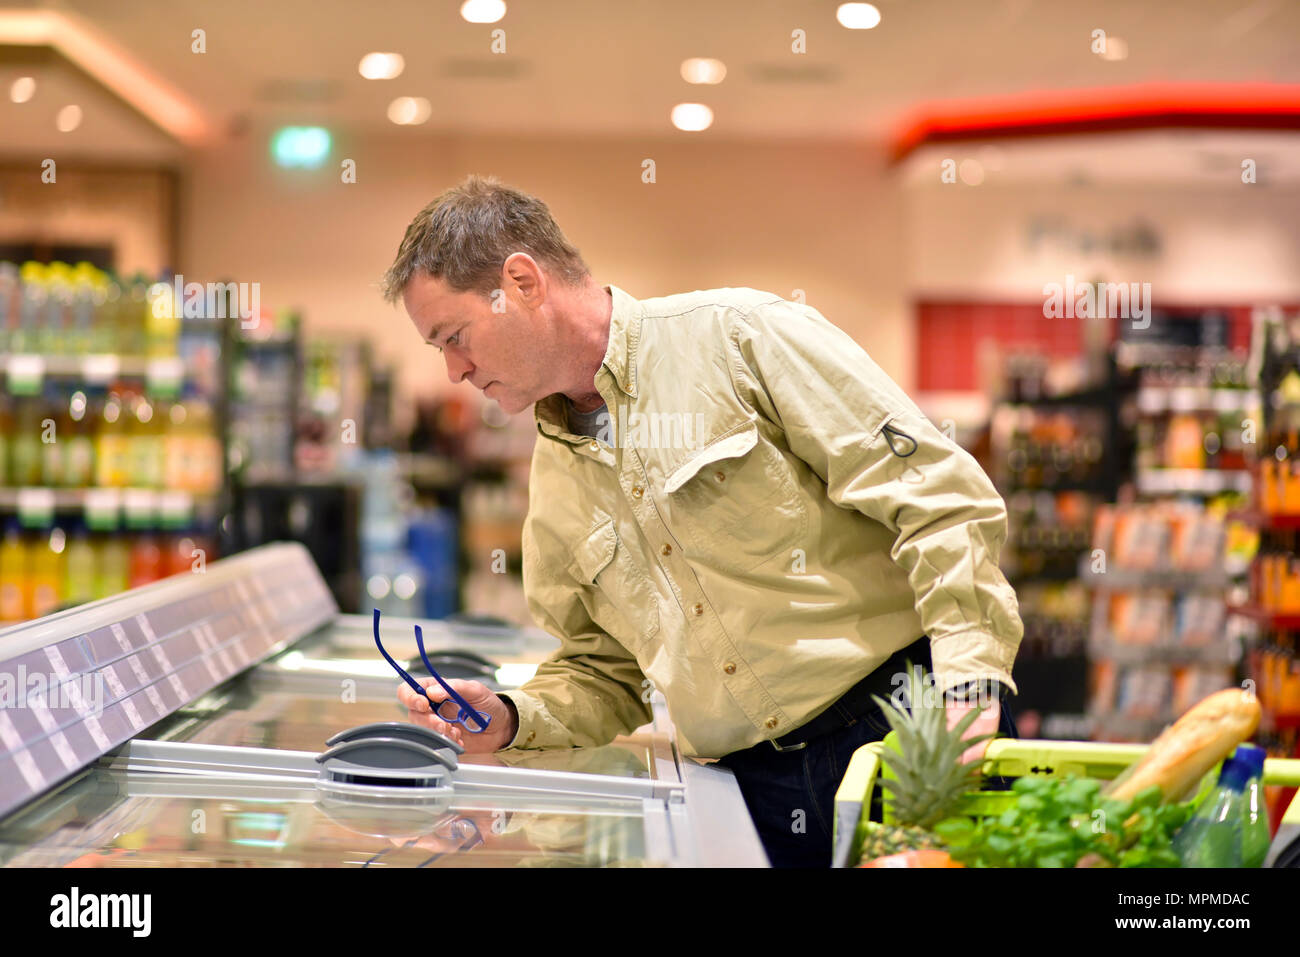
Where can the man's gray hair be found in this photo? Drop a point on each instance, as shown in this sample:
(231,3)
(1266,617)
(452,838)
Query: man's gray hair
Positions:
(465,236)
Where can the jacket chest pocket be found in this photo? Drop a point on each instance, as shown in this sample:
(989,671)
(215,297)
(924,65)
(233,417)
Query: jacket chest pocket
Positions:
(616,592)
(735,503)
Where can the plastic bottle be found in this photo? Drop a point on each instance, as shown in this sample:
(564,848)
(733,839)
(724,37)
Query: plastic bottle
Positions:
(45,567)
(112,557)
(6,431)
(78,441)
(78,566)
(10,290)
(25,337)
(13,574)
(111,443)
(1231,827)
(145,436)
(25,442)
(55,431)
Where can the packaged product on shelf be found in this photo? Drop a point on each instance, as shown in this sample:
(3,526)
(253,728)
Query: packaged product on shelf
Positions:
(45,568)
(1139,617)
(1195,683)
(1145,693)
(25,447)
(112,444)
(78,565)
(14,576)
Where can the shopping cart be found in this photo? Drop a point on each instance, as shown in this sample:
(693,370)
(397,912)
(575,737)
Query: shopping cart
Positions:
(1008,757)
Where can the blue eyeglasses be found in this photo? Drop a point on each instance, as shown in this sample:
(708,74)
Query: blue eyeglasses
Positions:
(465,710)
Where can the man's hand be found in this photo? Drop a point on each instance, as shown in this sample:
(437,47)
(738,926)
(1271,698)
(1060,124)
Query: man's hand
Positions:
(987,722)
(501,729)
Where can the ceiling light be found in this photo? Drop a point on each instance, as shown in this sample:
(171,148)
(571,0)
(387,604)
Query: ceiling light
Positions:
(23,89)
(692,117)
(382,66)
(483,11)
(971,172)
(703,70)
(409,110)
(1116,49)
(857,16)
(69,118)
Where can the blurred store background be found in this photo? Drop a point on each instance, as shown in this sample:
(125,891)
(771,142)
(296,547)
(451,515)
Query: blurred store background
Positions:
(954,185)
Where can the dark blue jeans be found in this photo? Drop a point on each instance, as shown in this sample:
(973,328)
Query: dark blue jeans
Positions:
(791,794)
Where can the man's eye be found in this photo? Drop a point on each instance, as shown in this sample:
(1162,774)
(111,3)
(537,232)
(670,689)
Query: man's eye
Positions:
(454,340)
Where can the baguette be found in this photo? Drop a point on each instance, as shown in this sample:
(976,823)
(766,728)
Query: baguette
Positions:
(1196,742)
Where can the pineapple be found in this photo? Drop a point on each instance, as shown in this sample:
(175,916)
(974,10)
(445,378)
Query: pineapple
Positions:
(930,778)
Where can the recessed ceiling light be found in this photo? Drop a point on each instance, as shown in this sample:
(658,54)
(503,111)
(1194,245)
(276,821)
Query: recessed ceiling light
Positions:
(69,118)
(409,110)
(692,117)
(483,11)
(857,16)
(23,89)
(971,172)
(382,66)
(703,70)
(1116,49)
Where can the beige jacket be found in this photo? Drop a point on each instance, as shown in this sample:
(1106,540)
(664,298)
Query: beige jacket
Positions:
(742,537)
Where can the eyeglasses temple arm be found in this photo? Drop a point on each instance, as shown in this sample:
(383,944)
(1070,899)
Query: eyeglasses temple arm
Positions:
(415,685)
(419,643)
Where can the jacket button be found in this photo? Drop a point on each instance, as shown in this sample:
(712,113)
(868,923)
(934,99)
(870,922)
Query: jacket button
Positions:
(697,608)
(595,446)
(666,550)
(772,722)
(637,490)
(720,476)
(729,668)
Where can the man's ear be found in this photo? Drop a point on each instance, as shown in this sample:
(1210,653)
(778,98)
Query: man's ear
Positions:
(527,277)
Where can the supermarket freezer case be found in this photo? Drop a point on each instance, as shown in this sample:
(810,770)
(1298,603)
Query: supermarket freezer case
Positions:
(235,718)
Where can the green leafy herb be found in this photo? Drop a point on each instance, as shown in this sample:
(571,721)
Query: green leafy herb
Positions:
(1065,822)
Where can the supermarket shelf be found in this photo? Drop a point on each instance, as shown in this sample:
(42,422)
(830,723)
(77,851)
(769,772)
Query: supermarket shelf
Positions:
(1102,395)
(1120,579)
(1097,486)
(94,368)
(1193,481)
(1226,654)
(1264,519)
(1152,400)
(1287,621)
(66,499)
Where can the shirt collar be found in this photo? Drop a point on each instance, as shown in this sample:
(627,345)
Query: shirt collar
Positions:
(620,361)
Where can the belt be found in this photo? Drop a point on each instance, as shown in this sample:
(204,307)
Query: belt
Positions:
(857,701)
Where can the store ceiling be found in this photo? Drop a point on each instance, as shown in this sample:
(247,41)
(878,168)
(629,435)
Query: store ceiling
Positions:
(595,67)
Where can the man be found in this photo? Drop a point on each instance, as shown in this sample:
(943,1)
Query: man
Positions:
(729,503)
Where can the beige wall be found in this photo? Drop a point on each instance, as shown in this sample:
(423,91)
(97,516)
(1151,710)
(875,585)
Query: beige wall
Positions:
(823,218)
(129,209)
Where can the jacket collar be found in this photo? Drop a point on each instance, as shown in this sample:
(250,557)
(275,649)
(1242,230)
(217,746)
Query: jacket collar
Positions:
(619,361)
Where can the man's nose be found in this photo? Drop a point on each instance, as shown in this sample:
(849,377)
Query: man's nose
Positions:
(457,366)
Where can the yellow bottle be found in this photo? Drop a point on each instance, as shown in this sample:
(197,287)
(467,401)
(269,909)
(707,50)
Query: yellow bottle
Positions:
(13,575)
(111,444)
(45,563)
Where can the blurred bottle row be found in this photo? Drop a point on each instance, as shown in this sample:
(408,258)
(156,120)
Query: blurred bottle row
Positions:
(112,436)
(60,309)
(70,563)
